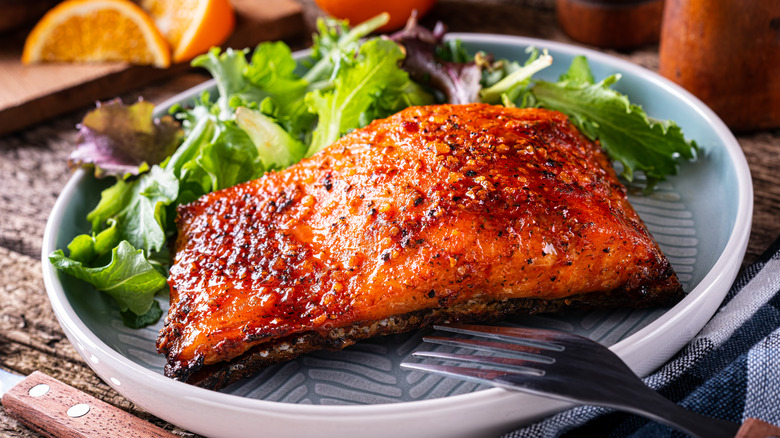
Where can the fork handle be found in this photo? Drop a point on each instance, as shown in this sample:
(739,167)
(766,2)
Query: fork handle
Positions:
(705,427)
(651,404)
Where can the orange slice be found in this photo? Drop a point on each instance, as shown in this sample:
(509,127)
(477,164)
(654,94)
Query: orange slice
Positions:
(192,27)
(97,31)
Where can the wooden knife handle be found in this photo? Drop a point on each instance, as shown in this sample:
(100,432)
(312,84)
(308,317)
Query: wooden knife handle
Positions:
(754,428)
(55,409)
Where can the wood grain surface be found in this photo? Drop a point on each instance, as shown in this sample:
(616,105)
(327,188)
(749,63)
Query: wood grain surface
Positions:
(33,172)
(33,93)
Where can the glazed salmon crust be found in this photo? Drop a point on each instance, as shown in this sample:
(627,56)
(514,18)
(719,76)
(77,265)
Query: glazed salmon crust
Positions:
(438,213)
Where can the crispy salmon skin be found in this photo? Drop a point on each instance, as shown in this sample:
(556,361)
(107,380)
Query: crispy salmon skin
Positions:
(438,213)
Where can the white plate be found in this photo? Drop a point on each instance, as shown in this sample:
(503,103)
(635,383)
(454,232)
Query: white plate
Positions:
(701,218)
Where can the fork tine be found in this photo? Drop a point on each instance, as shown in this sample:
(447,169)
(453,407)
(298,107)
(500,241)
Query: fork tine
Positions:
(513,364)
(575,348)
(479,375)
(541,338)
(533,354)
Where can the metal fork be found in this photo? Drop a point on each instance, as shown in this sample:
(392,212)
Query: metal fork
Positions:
(562,366)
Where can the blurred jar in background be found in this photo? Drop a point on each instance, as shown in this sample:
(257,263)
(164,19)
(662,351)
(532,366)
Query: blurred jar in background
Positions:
(727,53)
(358,11)
(614,24)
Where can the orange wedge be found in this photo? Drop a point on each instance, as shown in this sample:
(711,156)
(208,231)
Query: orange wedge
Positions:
(96,31)
(192,27)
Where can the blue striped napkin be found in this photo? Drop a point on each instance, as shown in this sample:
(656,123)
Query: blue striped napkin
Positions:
(730,370)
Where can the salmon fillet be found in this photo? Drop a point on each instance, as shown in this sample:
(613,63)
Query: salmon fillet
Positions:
(438,213)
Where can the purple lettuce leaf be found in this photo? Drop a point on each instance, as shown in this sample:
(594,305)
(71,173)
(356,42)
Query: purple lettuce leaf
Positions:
(458,81)
(120,140)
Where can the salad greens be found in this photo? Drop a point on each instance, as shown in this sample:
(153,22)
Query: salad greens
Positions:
(271,111)
(625,132)
(118,139)
(368,86)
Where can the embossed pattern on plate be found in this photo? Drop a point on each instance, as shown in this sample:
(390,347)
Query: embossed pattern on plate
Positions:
(369,372)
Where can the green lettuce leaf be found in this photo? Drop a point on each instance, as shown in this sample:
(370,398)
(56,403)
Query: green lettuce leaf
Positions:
(335,42)
(135,321)
(87,248)
(129,277)
(515,78)
(273,69)
(138,207)
(234,89)
(229,159)
(373,76)
(624,130)
(277,148)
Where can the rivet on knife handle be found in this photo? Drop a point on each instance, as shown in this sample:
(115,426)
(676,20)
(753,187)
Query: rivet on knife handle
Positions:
(55,409)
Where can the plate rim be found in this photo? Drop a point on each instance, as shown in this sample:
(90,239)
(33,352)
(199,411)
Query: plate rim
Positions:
(724,269)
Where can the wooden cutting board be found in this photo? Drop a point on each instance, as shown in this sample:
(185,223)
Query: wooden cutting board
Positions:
(32,93)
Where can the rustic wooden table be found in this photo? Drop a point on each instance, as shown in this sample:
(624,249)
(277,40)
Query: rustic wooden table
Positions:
(33,172)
